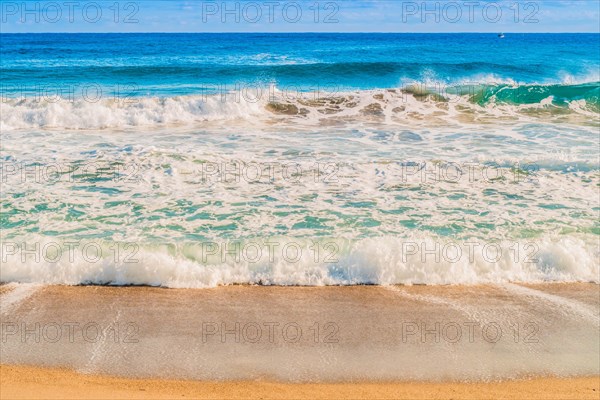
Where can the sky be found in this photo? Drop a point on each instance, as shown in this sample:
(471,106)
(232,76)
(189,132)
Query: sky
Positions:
(300,16)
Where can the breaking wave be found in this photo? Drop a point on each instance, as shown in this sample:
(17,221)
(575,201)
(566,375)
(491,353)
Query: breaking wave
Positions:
(413,103)
(302,262)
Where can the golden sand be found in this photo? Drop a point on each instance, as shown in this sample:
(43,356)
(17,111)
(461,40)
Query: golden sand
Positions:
(172,319)
(20,382)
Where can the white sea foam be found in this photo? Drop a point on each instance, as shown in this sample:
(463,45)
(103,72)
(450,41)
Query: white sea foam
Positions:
(415,105)
(372,138)
(145,111)
(382,261)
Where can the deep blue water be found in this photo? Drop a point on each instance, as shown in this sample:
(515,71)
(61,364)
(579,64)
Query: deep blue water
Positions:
(177,64)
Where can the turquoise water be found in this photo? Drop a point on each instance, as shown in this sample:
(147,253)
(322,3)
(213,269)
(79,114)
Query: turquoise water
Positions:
(194,160)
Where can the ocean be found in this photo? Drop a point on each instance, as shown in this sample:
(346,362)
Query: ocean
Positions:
(200,160)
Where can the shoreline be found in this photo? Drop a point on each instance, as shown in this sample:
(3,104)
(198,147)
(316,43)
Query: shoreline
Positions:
(29,382)
(509,341)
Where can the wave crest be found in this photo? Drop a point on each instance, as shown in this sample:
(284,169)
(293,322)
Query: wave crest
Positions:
(382,260)
(418,103)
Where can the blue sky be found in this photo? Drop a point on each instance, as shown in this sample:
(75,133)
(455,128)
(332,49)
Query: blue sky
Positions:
(300,16)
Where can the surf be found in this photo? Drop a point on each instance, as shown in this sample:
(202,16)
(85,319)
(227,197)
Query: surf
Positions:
(403,104)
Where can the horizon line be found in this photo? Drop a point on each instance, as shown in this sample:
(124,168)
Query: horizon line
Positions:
(304,32)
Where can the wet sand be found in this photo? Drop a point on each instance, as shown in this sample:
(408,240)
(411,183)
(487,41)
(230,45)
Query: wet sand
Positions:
(533,341)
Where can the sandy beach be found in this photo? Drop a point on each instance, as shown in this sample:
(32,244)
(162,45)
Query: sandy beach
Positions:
(20,382)
(412,342)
